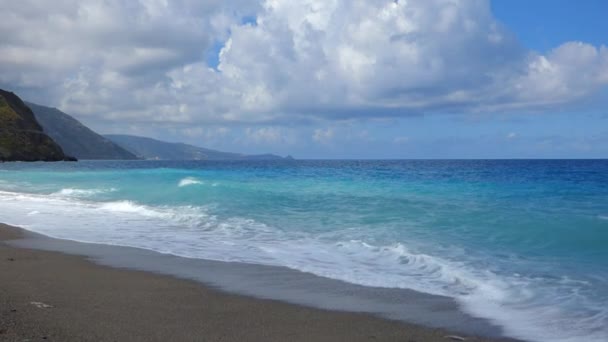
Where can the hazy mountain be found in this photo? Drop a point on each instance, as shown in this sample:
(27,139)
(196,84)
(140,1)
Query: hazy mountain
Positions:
(21,136)
(148,148)
(75,138)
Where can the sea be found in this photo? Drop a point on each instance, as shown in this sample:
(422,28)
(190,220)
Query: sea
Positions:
(521,243)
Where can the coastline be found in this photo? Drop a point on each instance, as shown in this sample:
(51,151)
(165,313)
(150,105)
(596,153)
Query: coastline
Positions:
(90,301)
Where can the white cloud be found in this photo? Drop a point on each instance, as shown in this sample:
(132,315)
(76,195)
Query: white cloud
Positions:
(567,73)
(145,61)
(332,59)
(511,135)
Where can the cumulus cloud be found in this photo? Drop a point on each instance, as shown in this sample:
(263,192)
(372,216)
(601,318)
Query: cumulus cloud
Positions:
(146,61)
(567,73)
(112,58)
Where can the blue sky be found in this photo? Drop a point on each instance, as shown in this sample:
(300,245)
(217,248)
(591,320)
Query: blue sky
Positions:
(321,79)
(544,24)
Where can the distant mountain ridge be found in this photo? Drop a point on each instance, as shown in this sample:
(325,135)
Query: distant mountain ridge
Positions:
(75,138)
(21,136)
(29,131)
(148,148)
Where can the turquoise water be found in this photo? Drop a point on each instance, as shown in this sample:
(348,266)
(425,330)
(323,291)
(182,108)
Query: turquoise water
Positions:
(521,243)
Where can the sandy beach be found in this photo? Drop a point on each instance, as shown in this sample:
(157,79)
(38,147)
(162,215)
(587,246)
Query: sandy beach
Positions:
(56,297)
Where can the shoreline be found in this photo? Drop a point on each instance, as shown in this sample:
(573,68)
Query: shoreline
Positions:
(92,299)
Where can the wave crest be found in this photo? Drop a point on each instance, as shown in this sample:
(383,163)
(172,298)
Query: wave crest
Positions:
(189,181)
(73,192)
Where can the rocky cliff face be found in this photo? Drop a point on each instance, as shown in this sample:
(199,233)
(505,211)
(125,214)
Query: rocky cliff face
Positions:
(75,138)
(21,136)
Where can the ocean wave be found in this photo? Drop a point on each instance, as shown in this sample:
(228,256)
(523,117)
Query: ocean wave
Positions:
(73,192)
(526,307)
(189,181)
(129,207)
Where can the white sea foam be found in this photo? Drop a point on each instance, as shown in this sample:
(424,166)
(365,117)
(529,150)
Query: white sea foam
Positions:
(511,301)
(71,192)
(189,181)
(603,217)
(128,207)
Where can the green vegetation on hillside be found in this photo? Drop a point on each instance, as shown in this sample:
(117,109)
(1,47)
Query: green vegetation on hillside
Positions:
(21,137)
(7,114)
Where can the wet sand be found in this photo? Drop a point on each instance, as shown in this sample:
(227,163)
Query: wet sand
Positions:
(51,296)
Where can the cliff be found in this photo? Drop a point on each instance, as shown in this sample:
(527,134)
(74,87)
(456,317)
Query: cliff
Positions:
(21,136)
(75,138)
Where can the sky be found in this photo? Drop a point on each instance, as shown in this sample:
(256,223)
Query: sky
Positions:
(323,78)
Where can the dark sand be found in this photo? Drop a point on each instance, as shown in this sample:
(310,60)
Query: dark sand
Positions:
(89,302)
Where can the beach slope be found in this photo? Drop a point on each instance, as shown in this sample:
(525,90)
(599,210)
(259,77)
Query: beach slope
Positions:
(57,297)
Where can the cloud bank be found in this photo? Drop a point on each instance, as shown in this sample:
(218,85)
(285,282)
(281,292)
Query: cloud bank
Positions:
(281,61)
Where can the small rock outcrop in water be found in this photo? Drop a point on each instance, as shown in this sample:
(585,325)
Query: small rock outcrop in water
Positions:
(75,138)
(21,136)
